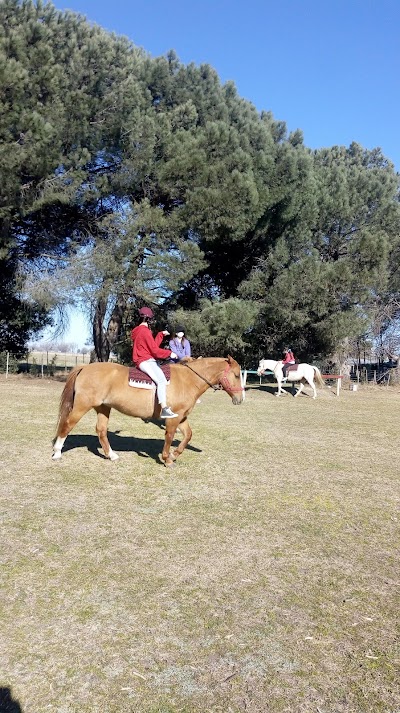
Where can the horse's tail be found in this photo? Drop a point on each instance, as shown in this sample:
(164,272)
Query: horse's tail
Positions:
(318,377)
(67,396)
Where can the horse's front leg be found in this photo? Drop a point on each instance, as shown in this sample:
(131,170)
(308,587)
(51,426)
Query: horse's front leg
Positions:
(280,390)
(170,430)
(103,414)
(186,431)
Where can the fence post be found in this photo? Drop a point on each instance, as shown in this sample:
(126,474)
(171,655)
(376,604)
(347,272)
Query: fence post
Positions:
(42,365)
(7,363)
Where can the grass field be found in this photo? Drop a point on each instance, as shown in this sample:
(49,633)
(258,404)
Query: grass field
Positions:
(259,575)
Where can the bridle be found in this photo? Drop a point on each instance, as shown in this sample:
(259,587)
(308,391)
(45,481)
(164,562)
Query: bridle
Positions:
(222,382)
(226,385)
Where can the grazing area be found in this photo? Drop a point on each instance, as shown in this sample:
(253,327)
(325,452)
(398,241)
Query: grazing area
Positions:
(260,574)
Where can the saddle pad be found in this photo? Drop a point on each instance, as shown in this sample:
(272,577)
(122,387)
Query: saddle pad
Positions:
(291,367)
(141,380)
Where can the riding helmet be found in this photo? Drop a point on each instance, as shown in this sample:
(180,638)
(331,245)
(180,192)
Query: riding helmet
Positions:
(146,312)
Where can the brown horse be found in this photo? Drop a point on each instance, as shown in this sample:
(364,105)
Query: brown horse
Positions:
(104,386)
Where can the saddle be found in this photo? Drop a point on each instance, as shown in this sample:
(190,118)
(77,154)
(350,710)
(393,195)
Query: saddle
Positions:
(291,367)
(140,380)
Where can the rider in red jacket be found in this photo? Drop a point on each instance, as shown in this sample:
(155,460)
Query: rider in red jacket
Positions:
(146,349)
(287,359)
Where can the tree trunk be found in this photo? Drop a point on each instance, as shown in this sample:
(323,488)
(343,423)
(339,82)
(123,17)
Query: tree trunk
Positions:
(100,341)
(105,338)
(115,321)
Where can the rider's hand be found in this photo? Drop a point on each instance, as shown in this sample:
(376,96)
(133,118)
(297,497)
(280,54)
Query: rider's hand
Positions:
(174,356)
(165,332)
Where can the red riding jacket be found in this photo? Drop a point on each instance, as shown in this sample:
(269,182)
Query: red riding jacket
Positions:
(145,346)
(289,358)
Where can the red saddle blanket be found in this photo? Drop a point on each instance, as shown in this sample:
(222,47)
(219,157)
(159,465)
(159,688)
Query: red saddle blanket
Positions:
(291,367)
(139,378)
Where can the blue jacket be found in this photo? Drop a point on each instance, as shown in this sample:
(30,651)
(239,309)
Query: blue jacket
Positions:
(181,348)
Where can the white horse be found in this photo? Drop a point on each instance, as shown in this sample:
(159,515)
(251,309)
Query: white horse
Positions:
(305,374)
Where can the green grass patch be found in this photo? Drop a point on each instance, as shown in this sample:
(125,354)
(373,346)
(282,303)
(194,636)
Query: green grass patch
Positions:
(258,575)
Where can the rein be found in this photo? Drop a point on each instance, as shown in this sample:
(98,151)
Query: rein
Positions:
(223,381)
(215,388)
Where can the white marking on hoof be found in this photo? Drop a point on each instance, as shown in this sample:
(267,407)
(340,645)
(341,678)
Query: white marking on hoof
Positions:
(112,455)
(56,455)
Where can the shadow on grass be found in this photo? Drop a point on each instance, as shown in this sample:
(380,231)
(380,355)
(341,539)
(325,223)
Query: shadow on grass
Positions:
(143,447)
(8,704)
(272,390)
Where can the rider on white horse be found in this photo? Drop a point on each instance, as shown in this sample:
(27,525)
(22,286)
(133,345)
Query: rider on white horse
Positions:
(304,374)
(288,359)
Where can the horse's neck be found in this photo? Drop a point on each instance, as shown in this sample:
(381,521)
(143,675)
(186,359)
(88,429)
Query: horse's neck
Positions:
(214,367)
(209,369)
(270,364)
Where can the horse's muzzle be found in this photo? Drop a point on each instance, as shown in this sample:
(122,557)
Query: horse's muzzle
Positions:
(236,400)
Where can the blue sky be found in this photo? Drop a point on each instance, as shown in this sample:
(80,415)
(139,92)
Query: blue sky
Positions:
(328,67)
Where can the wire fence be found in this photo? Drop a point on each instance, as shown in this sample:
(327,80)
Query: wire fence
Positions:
(42,363)
(375,374)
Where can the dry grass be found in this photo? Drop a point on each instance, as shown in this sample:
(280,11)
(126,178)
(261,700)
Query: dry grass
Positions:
(259,575)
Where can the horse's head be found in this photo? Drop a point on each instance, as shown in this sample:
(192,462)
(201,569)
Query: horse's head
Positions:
(266,365)
(261,368)
(231,380)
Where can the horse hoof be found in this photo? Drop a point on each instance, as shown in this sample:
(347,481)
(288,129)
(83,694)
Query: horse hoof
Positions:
(170,464)
(112,456)
(56,455)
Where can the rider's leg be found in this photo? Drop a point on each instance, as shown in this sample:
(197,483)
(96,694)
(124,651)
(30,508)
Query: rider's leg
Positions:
(151,368)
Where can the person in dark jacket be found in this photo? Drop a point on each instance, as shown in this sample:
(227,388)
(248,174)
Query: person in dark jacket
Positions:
(146,349)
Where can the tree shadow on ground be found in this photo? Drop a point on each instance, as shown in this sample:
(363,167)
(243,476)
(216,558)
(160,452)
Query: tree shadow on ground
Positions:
(143,447)
(8,704)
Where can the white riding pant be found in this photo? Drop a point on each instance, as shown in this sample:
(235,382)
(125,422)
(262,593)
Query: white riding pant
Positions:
(151,368)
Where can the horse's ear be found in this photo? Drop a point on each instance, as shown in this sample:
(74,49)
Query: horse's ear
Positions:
(229,359)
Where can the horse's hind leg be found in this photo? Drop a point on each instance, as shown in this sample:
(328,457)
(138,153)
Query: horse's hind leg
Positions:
(67,423)
(300,389)
(311,383)
(186,431)
(103,414)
